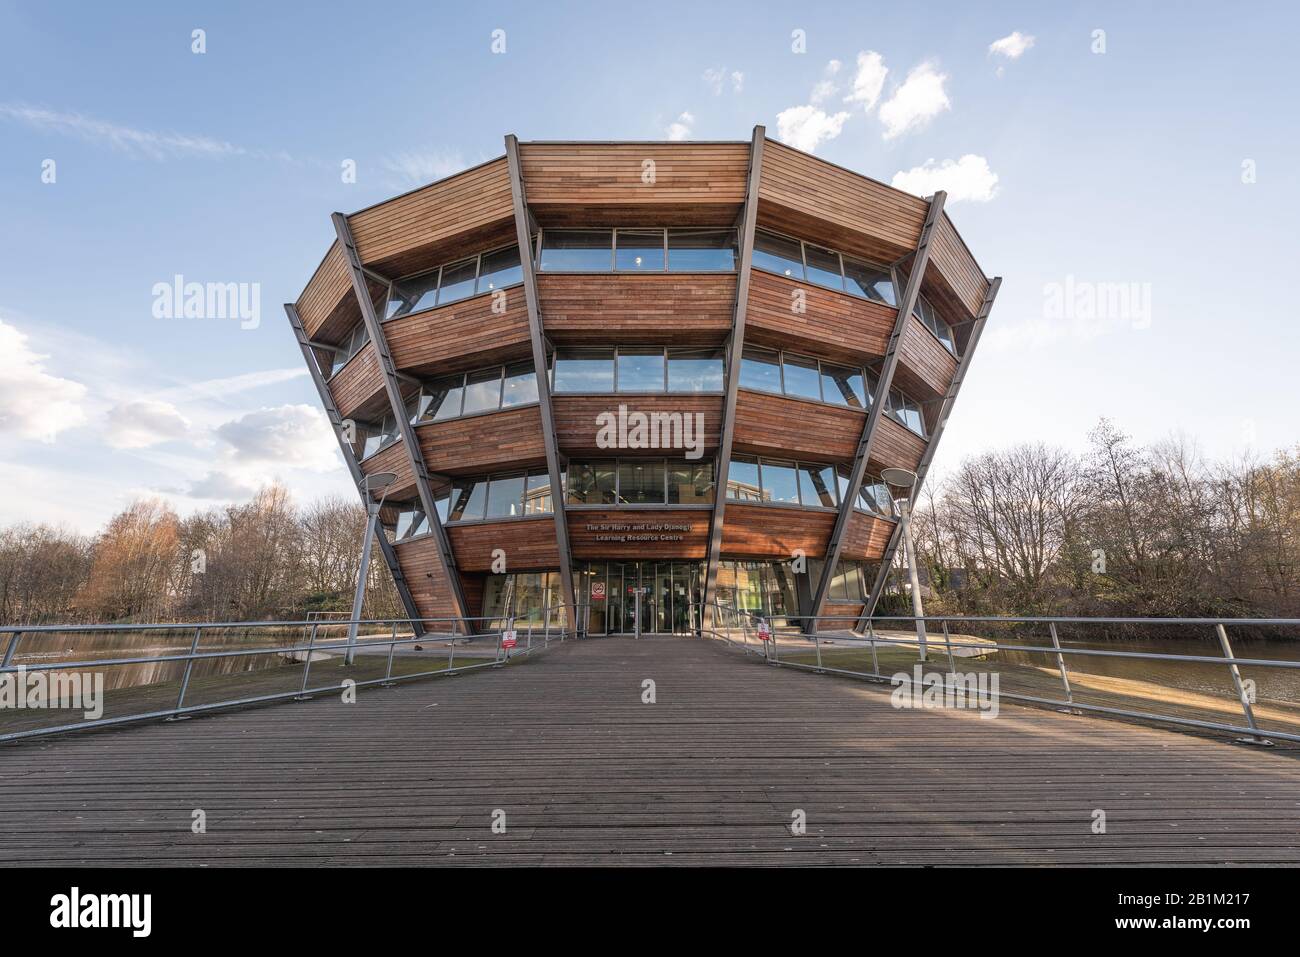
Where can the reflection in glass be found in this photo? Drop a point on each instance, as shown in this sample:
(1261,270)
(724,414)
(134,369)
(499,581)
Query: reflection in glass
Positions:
(577,250)
(640,370)
(702,250)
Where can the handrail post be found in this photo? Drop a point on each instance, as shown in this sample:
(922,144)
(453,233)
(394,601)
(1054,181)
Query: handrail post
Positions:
(388,672)
(1241,691)
(185,678)
(817,640)
(9,651)
(875,659)
(947,640)
(1060,663)
(302,694)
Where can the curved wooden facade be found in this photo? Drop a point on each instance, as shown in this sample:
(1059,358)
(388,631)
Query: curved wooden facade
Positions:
(531,196)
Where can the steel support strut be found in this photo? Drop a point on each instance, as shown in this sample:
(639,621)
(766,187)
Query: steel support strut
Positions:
(392,386)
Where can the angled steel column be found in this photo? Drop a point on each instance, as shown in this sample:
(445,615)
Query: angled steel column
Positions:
(920,258)
(350,457)
(736,344)
(945,409)
(409,439)
(524,235)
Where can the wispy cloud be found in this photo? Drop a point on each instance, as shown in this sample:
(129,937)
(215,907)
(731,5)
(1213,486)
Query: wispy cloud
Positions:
(920,98)
(148,144)
(968,178)
(681,127)
(1012,45)
(417,167)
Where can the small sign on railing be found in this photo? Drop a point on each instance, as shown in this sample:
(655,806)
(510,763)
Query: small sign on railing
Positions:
(509,639)
(764,630)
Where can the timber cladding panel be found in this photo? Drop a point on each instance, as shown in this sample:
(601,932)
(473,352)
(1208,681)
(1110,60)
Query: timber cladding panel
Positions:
(638,533)
(576,426)
(676,308)
(418,559)
(809,198)
(770,531)
(436,222)
(781,427)
(358,388)
(493,442)
(527,543)
(895,446)
(832,325)
(393,459)
(866,536)
(925,367)
(634,174)
(461,336)
(949,255)
(326,289)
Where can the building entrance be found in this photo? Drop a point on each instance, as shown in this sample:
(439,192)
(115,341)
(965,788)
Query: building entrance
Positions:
(670,594)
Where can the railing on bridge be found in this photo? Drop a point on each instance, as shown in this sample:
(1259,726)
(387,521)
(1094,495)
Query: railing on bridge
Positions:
(1253,696)
(175,670)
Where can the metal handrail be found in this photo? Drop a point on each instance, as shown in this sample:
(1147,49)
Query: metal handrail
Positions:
(1254,734)
(458,633)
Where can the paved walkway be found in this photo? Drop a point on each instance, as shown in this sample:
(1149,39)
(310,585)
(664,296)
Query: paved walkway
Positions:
(587,774)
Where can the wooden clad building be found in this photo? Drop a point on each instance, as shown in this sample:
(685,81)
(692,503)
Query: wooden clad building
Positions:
(685,387)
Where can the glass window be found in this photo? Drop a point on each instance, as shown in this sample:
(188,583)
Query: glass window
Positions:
(591,483)
(817,484)
(823,267)
(777,254)
(695,370)
(505,498)
(440,399)
(843,386)
(641,482)
(760,369)
(412,295)
(742,479)
(356,339)
(690,483)
(639,250)
(457,281)
(577,250)
(411,520)
(802,378)
(442,502)
(375,437)
(467,499)
(872,382)
(930,319)
(521,385)
(483,391)
(907,411)
(780,481)
(640,370)
(876,497)
(702,250)
(500,269)
(869,281)
(846,583)
(584,370)
(537,494)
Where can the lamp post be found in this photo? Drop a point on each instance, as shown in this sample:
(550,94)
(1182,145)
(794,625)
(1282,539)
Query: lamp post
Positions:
(381,482)
(905,479)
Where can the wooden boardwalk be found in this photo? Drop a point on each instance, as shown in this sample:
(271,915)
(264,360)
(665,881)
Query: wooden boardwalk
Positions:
(588,774)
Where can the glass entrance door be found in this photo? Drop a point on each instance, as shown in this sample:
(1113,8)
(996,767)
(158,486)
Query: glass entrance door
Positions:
(611,589)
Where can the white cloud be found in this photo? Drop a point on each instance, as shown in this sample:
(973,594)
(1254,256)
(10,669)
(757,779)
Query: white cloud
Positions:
(968,178)
(805,127)
(680,128)
(716,79)
(33,403)
(142,423)
(919,99)
(149,143)
(417,167)
(222,486)
(1012,46)
(828,84)
(869,80)
(283,436)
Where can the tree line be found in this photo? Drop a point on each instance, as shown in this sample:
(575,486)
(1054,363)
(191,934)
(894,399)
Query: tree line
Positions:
(1120,530)
(265,559)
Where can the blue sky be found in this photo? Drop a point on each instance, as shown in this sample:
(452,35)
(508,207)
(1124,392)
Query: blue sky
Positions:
(1118,167)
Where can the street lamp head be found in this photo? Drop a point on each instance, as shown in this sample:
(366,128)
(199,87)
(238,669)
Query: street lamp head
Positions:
(379,480)
(899,478)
